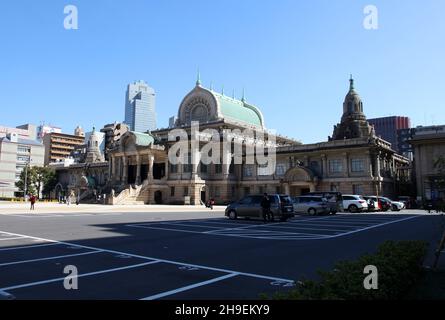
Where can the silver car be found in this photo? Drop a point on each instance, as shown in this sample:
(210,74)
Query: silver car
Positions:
(311,205)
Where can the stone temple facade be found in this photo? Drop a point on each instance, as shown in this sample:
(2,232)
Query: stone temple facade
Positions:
(353,161)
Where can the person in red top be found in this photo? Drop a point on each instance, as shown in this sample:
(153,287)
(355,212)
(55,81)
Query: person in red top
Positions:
(32,199)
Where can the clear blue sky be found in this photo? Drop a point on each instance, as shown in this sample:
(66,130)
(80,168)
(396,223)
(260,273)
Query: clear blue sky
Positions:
(293,57)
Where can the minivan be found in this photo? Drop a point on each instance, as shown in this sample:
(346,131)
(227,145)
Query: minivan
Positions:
(250,207)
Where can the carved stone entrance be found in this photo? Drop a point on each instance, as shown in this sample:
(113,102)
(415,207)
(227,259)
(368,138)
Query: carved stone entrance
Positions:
(299,181)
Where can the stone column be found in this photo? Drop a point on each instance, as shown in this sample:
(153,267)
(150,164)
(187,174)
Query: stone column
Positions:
(138,169)
(346,171)
(166,169)
(151,160)
(227,159)
(196,159)
(324,165)
(377,166)
(125,168)
(113,167)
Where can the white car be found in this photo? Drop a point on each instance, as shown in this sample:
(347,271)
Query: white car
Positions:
(395,205)
(354,203)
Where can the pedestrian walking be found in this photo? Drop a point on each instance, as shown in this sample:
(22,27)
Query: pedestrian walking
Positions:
(265,207)
(32,199)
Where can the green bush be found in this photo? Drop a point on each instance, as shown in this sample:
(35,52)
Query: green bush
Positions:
(399,266)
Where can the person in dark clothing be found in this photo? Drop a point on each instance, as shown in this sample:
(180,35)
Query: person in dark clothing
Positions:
(32,199)
(265,206)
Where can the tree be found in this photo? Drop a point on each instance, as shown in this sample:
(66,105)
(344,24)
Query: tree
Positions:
(38,179)
(26,174)
(49,182)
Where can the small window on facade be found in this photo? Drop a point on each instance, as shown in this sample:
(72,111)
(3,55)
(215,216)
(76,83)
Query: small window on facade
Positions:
(357,189)
(357,165)
(336,166)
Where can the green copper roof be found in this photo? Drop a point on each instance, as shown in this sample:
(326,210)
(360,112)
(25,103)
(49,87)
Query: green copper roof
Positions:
(143,139)
(239,111)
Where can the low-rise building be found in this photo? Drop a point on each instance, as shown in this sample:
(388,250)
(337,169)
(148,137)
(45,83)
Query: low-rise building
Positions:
(429,145)
(15,154)
(59,146)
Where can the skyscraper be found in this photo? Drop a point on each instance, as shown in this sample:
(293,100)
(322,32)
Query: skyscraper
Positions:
(388,128)
(140,113)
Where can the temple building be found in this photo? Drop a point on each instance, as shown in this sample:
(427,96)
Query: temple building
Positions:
(139,169)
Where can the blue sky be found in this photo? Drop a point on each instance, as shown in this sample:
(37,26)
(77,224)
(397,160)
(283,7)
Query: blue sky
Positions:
(293,57)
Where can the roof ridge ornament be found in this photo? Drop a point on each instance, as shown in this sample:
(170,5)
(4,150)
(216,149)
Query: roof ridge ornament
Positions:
(351,83)
(243,99)
(198,79)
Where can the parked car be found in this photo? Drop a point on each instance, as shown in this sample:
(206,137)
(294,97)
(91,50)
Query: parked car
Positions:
(373,203)
(395,205)
(354,203)
(334,200)
(250,207)
(384,204)
(311,205)
(408,201)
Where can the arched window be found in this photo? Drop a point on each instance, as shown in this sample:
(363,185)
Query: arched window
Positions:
(199,113)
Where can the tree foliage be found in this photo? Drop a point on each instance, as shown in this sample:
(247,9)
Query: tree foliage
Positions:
(37,178)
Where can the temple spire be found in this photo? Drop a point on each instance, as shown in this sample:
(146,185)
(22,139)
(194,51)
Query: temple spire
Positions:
(243,98)
(351,83)
(222,91)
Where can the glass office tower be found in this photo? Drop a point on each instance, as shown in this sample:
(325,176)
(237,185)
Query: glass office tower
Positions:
(140,112)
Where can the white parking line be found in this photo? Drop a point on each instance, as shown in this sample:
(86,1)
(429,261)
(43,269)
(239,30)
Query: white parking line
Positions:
(187,225)
(253,275)
(37,283)
(49,258)
(256,231)
(14,238)
(372,227)
(27,247)
(192,286)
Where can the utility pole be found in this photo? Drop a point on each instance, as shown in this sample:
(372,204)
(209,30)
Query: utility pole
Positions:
(26,178)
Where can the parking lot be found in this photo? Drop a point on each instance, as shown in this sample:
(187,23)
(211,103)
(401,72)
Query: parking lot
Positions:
(169,255)
(307,228)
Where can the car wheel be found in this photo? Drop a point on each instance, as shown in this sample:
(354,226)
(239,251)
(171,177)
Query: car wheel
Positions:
(232,215)
(395,208)
(312,211)
(333,212)
(353,208)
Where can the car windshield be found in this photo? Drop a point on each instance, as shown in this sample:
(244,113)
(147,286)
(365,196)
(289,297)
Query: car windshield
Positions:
(286,199)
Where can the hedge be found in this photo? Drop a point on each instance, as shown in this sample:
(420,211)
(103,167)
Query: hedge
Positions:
(399,266)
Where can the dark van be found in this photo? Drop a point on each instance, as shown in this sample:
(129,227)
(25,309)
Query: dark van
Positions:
(250,207)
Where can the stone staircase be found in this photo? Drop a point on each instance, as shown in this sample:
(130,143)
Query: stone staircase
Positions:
(136,195)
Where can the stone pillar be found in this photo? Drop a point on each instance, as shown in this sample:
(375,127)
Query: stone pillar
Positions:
(286,188)
(226,160)
(346,161)
(151,160)
(166,169)
(113,168)
(196,159)
(125,168)
(138,169)
(377,166)
(324,165)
